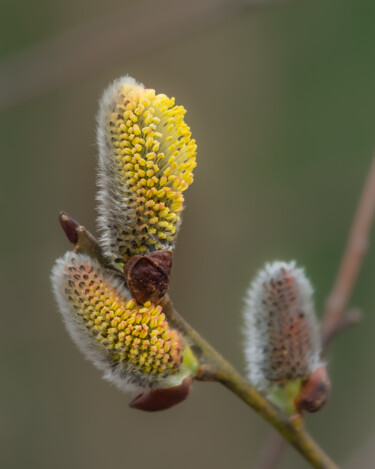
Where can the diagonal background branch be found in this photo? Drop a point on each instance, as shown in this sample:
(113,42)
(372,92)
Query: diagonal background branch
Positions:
(337,317)
(213,367)
(351,262)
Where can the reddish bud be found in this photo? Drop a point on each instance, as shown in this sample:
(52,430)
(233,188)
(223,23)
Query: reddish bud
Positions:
(147,276)
(69,225)
(315,392)
(162,399)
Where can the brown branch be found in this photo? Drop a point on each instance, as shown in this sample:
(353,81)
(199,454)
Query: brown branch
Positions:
(213,366)
(337,318)
(349,318)
(352,259)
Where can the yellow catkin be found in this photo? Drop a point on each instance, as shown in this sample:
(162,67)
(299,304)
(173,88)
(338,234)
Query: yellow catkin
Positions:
(149,161)
(130,334)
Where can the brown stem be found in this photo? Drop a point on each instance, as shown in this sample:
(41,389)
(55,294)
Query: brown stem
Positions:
(348,319)
(352,259)
(214,367)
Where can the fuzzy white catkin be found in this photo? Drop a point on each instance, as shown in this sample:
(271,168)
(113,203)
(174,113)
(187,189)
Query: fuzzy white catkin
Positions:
(282,334)
(112,197)
(120,377)
(146,162)
(100,316)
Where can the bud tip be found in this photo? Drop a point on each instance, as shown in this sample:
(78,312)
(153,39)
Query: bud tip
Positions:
(69,225)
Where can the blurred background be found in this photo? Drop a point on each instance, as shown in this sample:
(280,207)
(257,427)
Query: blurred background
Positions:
(281,100)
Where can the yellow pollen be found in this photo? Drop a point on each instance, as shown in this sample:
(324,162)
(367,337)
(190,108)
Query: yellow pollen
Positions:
(153,150)
(121,328)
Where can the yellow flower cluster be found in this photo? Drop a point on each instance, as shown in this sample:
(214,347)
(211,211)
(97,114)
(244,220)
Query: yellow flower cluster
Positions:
(131,335)
(146,161)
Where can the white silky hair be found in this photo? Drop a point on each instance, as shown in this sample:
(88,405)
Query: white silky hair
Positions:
(125,377)
(113,205)
(256,326)
(120,376)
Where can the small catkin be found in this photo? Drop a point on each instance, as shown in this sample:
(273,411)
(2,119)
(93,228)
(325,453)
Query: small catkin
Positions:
(146,162)
(133,344)
(282,334)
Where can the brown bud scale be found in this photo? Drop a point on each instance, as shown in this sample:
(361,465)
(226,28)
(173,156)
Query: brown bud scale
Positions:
(162,399)
(69,225)
(147,276)
(315,393)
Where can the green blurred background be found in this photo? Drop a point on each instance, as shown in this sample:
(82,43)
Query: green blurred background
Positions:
(281,100)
